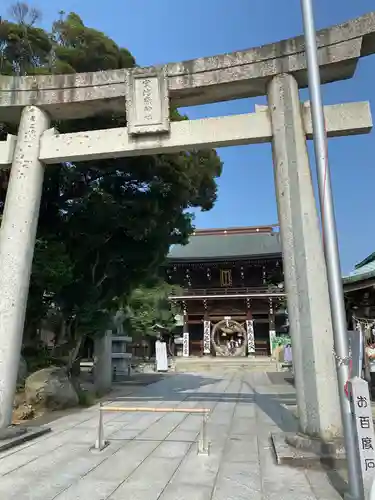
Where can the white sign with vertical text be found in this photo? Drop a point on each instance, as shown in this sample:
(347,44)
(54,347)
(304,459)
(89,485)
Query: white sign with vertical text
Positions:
(362,413)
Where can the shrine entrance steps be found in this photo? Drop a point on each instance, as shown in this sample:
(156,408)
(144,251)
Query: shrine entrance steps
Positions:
(224,365)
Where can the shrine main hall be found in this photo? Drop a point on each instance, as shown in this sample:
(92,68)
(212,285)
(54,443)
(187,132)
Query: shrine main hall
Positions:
(231,292)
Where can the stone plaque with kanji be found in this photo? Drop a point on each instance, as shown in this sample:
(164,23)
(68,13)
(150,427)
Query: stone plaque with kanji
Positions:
(147,101)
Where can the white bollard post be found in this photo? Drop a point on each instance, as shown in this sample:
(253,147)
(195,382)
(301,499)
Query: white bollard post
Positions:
(203,444)
(100,443)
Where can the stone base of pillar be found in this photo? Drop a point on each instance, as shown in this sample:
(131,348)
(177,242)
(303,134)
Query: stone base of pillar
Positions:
(299,450)
(13,436)
(12,432)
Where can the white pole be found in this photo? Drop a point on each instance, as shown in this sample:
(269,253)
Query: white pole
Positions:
(372,491)
(331,249)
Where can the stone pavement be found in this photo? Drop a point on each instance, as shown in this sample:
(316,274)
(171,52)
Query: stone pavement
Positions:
(153,455)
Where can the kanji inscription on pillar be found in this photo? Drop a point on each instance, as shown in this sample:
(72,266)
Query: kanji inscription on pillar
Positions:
(206,337)
(250,336)
(147,101)
(361,408)
(185,344)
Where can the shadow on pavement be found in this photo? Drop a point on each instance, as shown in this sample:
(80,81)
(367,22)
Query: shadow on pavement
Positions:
(271,392)
(270,403)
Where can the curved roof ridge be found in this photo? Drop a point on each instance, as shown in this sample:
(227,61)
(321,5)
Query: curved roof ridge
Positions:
(216,247)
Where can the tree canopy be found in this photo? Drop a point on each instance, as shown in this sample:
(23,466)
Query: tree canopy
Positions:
(148,308)
(105,225)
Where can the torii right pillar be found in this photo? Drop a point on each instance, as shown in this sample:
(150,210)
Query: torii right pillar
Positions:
(304,266)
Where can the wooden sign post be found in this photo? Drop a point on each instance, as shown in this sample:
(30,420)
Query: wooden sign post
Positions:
(363,421)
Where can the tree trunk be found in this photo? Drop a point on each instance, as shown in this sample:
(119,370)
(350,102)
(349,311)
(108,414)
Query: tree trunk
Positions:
(72,360)
(61,334)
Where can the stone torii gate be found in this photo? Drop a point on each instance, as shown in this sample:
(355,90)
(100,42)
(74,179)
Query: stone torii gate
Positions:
(277,70)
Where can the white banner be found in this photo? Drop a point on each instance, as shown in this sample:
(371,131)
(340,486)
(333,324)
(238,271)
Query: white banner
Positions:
(206,337)
(272,335)
(161,356)
(250,336)
(185,344)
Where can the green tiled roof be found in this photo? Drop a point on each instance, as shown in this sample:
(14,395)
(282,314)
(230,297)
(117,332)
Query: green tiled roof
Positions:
(205,247)
(363,271)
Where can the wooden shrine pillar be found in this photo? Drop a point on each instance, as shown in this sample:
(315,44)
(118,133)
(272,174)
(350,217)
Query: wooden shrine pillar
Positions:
(250,330)
(185,334)
(206,334)
(271,320)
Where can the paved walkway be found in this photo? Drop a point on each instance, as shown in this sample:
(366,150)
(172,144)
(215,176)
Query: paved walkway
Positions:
(153,455)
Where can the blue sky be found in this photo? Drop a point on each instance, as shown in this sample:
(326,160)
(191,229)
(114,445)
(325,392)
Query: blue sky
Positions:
(161,31)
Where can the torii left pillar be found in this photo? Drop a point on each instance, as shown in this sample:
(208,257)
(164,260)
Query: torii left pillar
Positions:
(17,241)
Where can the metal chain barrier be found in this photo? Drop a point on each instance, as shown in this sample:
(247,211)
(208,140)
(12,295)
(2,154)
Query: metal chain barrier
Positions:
(342,361)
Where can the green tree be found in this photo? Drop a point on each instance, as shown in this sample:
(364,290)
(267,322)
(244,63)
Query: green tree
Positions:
(148,307)
(105,226)
(24,48)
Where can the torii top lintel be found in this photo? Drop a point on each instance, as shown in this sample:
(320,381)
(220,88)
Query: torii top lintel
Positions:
(199,81)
